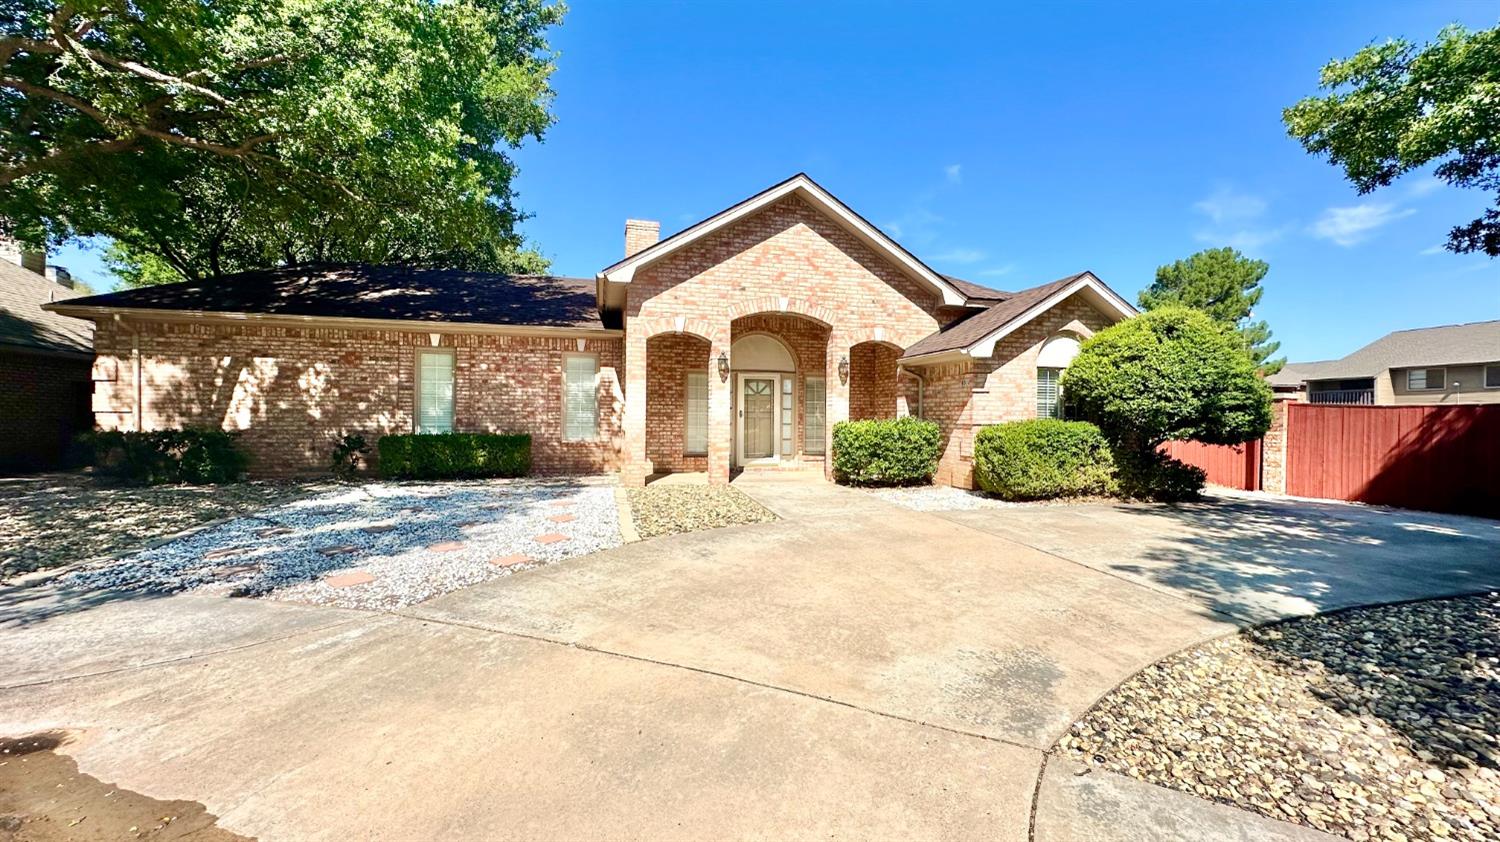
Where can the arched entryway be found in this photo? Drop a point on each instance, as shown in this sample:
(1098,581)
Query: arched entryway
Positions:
(678,368)
(778,370)
(873,383)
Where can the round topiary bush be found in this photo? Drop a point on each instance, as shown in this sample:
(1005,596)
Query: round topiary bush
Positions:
(1043,459)
(1168,374)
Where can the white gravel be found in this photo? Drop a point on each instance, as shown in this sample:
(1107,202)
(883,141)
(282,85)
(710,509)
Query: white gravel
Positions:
(940,498)
(427,539)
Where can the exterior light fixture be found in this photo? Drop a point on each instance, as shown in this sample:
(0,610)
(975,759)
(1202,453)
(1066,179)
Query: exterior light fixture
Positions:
(723,366)
(844,369)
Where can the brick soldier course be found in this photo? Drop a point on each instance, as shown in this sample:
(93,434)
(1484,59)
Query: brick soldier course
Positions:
(295,358)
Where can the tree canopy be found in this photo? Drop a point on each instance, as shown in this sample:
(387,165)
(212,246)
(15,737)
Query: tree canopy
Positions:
(1226,285)
(1394,107)
(1171,373)
(207,138)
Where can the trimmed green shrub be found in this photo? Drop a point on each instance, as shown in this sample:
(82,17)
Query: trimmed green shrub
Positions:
(1042,459)
(1157,476)
(455,455)
(898,451)
(194,455)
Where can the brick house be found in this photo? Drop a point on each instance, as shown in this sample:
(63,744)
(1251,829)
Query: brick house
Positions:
(736,343)
(44,365)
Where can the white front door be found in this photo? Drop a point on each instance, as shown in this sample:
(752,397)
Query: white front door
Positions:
(758,408)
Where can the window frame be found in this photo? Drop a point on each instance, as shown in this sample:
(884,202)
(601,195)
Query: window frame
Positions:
(416,398)
(686,403)
(1486,375)
(822,412)
(1426,371)
(594,357)
(1059,411)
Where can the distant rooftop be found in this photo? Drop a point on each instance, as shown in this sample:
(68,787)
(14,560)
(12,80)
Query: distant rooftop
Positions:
(1462,344)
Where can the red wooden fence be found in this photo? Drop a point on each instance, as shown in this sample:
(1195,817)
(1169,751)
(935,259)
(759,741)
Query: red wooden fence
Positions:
(1236,466)
(1437,458)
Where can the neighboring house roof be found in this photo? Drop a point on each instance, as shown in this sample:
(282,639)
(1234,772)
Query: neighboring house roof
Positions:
(1465,344)
(978,334)
(363,291)
(1293,374)
(23,322)
(800,184)
(976,292)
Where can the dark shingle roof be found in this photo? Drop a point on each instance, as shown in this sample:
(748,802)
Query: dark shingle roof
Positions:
(977,292)
(964,333)
(362,291)
(1292,374)
(24,323)
(1465,344)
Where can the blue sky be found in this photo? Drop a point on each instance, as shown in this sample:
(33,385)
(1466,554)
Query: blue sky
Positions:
(1007,144)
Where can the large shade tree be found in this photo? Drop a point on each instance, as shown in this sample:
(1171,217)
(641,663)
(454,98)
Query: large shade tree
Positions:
(205,138)
(1394,107)
(1226,285)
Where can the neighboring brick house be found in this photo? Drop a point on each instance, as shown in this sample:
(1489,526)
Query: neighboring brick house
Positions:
(736,343)
(1445,365)
(44,366)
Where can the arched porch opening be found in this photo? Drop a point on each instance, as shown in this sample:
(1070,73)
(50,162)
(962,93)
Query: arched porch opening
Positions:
(678,372)
(778,390)
(874,387)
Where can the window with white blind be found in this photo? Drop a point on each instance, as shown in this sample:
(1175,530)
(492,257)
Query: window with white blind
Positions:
(1048,393)
(695,410)
(1425,379)
(435,391)
(580,397)
(814,407)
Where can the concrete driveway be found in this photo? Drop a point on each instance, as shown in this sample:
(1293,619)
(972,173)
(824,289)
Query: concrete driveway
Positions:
(853,670)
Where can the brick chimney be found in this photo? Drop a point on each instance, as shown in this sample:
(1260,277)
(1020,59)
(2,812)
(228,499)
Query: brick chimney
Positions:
(32,261)
(640,234)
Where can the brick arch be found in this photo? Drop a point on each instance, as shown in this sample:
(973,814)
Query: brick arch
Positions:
(652,327)
(774,304)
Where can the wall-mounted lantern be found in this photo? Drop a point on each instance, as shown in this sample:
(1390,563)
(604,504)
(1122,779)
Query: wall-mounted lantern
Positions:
(844,369)
(723,366)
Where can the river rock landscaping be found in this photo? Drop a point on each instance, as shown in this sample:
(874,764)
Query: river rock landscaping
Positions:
(672,509)
(57,519)
(1376,724)
(379,545)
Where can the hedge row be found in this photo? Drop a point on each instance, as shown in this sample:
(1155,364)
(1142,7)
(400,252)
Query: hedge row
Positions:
(899,451)
(454,455)
(191,455)
(1043,459)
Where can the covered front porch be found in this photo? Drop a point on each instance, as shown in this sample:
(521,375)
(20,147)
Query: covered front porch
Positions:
(762,392)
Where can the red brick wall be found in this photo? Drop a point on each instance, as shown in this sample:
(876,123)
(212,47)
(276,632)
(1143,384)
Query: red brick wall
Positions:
(43,405)
(1273,451)
(668,359)
(293,391)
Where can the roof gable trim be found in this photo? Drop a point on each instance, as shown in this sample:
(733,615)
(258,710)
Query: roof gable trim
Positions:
(623,272)
(1098,293)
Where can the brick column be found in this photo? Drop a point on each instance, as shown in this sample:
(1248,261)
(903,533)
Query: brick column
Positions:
(1273,451)
(837,392)
(720,415)
(635,467)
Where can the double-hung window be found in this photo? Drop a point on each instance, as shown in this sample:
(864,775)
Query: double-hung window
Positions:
(580,397)
(814,415)
(1425,379)
(695,408)
(1049,393)
(435,391)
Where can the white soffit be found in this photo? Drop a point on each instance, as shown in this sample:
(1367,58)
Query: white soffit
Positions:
(1093,290)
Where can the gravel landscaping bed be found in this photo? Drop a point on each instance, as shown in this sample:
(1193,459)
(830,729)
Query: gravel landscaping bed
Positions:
(380,545)
(57,519)
(672,509)
(1377,723)
(940,498)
